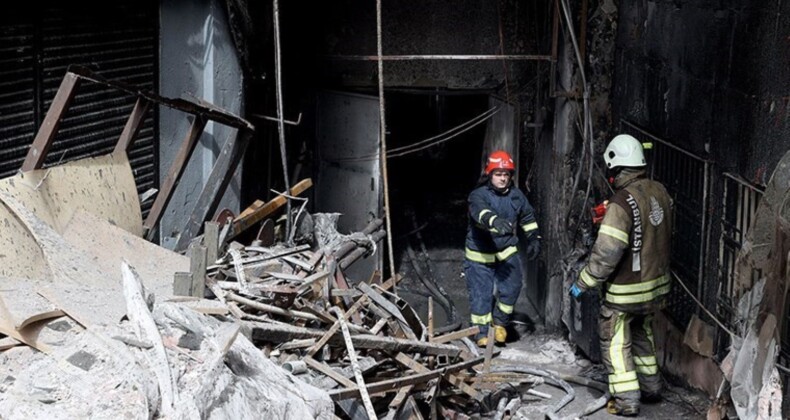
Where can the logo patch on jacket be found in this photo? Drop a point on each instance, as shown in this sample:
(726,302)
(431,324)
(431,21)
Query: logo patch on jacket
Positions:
(656,212)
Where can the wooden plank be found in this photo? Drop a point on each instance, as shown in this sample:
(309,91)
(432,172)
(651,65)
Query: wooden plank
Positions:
(211,241)
(333,330)
(449,377)
(173,177)
(284,333)
(244,222)
(225,166)
(397,383)
(352,356)
(182,284)
(489,351)
(457,335)
(49,127)
(197,268)
(132,127)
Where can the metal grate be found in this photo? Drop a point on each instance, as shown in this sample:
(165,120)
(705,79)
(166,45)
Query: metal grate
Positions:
(686,177)
(739,205)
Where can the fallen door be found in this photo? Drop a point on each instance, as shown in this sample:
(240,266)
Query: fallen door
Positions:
(349,179)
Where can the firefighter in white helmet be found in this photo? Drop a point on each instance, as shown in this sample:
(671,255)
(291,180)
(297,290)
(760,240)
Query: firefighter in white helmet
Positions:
(630,261)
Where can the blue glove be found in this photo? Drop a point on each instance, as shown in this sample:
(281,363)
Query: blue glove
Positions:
(575,291)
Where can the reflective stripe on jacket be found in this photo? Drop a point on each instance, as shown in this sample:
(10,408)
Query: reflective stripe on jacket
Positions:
(633,247)
(484,243)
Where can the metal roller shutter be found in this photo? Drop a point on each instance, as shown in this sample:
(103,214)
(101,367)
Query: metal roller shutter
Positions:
(118,40)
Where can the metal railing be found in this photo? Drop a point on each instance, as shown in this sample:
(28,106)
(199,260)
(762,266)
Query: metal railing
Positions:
(739,206)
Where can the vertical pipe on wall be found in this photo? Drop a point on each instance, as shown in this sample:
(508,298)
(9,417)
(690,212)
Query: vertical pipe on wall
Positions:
(383,139)
(280,122)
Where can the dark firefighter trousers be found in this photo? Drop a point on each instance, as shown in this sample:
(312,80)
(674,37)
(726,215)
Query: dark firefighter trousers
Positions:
(480,281)
(629,354)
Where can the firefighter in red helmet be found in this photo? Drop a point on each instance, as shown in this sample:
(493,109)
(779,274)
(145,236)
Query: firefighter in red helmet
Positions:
(498,210)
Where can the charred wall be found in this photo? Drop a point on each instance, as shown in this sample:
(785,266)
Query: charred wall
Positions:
(710,76)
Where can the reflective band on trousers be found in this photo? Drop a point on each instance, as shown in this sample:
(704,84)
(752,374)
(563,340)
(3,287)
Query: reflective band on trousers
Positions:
(623,382)
(506,309)
(646,365)
(638,292)
(614,233)
(482,319)
(486,258)
(529,227)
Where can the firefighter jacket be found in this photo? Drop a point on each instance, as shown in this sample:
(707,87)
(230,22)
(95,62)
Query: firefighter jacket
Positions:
(484,243)
(631,254)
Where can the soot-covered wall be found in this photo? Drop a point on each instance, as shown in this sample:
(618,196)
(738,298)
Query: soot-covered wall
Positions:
(710,76)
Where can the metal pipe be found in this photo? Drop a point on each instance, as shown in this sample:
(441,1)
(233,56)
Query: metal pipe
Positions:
(280,121)
(514,57)
(383,139)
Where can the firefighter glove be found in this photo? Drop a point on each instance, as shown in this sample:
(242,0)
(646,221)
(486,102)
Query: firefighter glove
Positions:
(575,291)
(502,226)
(533,249)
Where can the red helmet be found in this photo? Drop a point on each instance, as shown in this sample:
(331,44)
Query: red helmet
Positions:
(500,160)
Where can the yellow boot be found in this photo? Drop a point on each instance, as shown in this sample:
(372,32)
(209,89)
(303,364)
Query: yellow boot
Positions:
(500,334)
(482,342)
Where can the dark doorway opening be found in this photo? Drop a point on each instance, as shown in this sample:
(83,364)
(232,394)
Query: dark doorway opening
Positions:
(429,189)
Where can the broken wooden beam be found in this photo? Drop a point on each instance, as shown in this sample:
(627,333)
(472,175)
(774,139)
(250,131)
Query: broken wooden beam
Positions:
(284,333)
(397,383)
(250,217)
(457,335)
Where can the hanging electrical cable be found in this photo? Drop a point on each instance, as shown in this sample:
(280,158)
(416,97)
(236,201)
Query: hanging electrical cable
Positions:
(280,121)
(429,142)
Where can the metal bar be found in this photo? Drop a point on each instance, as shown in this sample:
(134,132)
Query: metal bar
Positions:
(271,308)
(430,318)
(527,57)
(704,230)
(555,31)
(328,371)
(452,379)
(325,338)
(456,335)
(174,175)
(352,356)
(218,180)
(282,333)
(280,124)
(397,383)
(742,181)
(196,107)
(663,142)
(132,127)
(268,118)
(49,128)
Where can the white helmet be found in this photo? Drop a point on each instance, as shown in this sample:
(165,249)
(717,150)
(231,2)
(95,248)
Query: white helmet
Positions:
(624,150)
